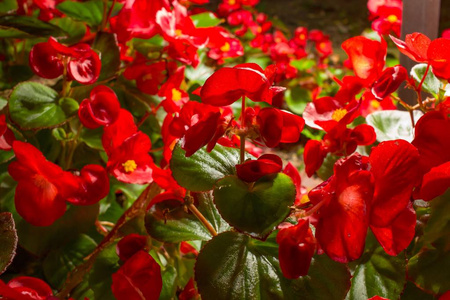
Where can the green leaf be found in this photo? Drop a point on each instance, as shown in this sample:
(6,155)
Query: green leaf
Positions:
(90,12)
(327,168)
(39,240)
(411,292)
(100,279)
(255,208)
(34,106)
(107,44)
(168,221)
(8,6)
(297,98)
(200,171)
(75,30)
(206,19)
(431,84)
(92,137)
(303,64)
(8,240)
(14,26)
(378,273)
(235,266)
(393,124)
(169,287)
(61,261)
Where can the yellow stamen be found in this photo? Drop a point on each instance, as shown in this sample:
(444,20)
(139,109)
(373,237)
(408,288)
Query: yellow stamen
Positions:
(178,32)
(129,166)
(302,36)
(338,114)
(231,2)
(226,47)
(375,104)
(304,199)
(392,18)
(176,94)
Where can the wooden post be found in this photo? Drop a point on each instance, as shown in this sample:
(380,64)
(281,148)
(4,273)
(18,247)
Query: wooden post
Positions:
(418,16)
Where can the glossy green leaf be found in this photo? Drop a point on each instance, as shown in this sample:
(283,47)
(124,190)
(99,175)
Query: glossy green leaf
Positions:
(75,30)
(168,221)
(34,106)
(377,273)
(302,64)
(8,240)
(393,124)
(100,279)
(255,208)
(169,287)
(206,19)
(60,261)
(431,84)
(92,137)
(234,266)
(90,12)
(107,45)
(39,240)
(200,171)
(297,98)
(15,26)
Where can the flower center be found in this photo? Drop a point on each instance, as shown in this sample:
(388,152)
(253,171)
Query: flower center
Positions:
(226,47)
(392,18)
(129,166)
(338,114)
(178,32)
(375,104)
(176,94)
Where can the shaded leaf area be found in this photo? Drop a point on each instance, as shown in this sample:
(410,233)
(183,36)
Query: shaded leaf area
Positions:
(75,30)
(60,261)
(90,12)
(107,44)
(200,171)
(428,268)
(8,240)
(377,273)
(14,26)
(169,221)
(255,208)
(235,266)
(34,106)
(393,124)
(40,240)
(100,279)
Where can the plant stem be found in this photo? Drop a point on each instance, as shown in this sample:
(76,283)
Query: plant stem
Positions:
(419,88)
(242,135)
(190,205)
(76,276)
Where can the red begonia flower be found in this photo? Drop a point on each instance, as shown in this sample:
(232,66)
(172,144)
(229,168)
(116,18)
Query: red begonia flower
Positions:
(388,19)
(149,77)
(130,162)
(252,170)
(394,165)
(228,85)
(367,57)
(26,288)
(279,126)
(296,249)
(130,245)
(100,109)
(86,68)
(378,298)
(6,135)
(415,46)
(138,278)
(45,62)
(90,187)
(439,54)
(342,227)
(196,125)
(313,156)
(186,248)
(37,198)
(189,292)
(115,133)
(432,139)
(389,81)
(395,237)
(175,97)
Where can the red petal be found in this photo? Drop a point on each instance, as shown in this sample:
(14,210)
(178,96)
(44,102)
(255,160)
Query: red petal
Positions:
(394,165)
(415,46)
(439,54)
(389,81)
(270,122)
(93,185)
(138,278)
(364,134)
(30,288)
(399,234)
(253,170)
(44,61)
(296,249)
(313,156)
(292,127)
(85,70)
(130,245)
(114,134)
(435,182)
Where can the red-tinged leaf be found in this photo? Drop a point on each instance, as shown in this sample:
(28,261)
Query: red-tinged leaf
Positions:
(399,234)
(8,240)
(228,85)
(367,57)
(394,165)
(435,182)
(415,46)
(439,56)
(342,218)
(139,278)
